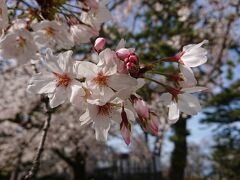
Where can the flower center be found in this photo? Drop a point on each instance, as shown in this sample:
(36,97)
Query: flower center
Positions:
(62,79)
(174,91)
(105,109)
(21,41)
(50,31)
(101,79)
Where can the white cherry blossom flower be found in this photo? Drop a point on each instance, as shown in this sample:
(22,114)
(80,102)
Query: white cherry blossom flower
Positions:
(193,55)
(82,33)
(180,100)
(95,17)
(19,45)
(52,34)
(59,80)
(3,15)
(103,115)
(104,81)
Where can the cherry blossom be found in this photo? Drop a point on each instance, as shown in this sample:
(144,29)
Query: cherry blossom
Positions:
(95,17)
(181,100)
(148,120)
(125,127)
(105,87)
(103,115)
(58,82)
(52,34)
(193,55)
(82,33)
(19,45)
(104,81)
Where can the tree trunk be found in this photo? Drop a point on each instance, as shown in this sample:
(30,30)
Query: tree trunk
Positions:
(179,154)
(79,172)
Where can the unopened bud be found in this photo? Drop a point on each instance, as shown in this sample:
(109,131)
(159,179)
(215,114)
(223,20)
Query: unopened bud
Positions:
(99,44)
(133,58)
(123,53)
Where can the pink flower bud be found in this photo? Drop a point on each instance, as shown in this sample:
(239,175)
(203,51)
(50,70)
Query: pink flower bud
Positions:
(125,127)
(130,65)
(141,107)
(123,53)
(133,58)
(152,124)
(99,44)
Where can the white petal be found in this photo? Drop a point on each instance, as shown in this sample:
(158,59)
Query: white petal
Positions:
(194,89)
(121,44)
(77,94)
(188,104)
(116,116)
(85,118)
(58,97)
(102,127)
(189,78)
(173,114)
(51,62)
(121,81)
(42,84)
(66,62)
(48,88)
(194,61)
(166,98)
(86,69)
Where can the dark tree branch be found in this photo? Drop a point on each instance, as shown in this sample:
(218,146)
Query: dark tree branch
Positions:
(36,162)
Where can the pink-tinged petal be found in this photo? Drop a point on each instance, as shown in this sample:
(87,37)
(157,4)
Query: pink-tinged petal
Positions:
(188,76)
(58,97)
(166,99)
(194,89)
(121,81)
(125,127)
(189,104)
(173,113)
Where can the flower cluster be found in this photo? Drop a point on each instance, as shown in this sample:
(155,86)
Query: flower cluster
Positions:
(106,89)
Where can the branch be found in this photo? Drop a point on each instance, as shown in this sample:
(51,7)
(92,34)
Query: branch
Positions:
(36,162)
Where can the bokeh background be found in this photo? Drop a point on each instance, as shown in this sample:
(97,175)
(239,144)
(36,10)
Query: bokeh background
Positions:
(206,146)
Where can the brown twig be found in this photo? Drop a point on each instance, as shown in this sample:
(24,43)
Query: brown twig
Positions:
(36,162)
